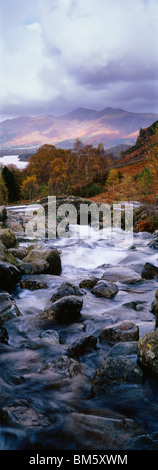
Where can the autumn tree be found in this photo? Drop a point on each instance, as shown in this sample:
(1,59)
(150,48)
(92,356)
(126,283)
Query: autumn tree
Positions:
(30,188)
(57,175)
(113,178)
(3,191)
(127,190)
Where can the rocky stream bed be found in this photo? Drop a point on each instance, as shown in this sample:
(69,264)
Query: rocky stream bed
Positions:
(78,341)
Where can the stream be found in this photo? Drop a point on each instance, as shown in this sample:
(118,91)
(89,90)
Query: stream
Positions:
(54,409)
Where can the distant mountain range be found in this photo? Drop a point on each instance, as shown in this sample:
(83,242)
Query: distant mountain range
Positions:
(110,126)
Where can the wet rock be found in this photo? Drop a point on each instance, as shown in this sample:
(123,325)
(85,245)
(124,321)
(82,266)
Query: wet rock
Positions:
(131,305)
(137,306)
(149,271)
(33,268)
(105,289)
(4,418)
(114,371)
(118,332)
(17,379)
(32,284)
(6,256)
(67,367)
(121,274)
(144,442)
(154,307)
(83,346)
(148,352)
(101,432)
(50,337)
(88,283)
(8,238)
(124,349)
(15,226)
(21,414)
(3,251)
(3,213)
(67,289)
(3,335)
(66,310)
(9,275)
(44,261)
(153,244)
(19,253)
(8,307)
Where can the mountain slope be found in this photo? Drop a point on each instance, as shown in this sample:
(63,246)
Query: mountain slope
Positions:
(147,138)
(109,126)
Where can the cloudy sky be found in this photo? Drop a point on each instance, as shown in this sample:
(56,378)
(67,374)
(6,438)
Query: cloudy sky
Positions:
(57,55)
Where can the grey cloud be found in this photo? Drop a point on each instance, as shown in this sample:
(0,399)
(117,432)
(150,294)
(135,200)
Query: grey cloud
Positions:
(114,71)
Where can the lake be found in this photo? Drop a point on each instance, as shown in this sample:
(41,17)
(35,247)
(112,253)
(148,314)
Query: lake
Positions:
(13,160)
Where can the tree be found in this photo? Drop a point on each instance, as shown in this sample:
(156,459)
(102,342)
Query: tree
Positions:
(11,185)
(30,188)
(3,191)
(113,178)
(127,190)
(57,175)
(144,183)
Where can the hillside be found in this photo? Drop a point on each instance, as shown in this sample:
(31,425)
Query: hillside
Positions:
(146,137)
(135,175)
(112,127)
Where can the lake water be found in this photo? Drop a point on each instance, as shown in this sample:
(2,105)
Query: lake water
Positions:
(13,160)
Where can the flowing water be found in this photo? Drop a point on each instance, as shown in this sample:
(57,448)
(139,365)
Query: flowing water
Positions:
(47,408)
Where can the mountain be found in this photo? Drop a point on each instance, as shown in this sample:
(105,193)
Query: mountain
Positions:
(147,138)
(110,126)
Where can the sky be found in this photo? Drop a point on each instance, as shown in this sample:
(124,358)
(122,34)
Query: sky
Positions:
(58,55)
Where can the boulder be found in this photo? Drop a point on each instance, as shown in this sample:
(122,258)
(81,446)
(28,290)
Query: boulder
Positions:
(15,226)
(121,274)
(124,349)
(120,332)
(9,275)
(3,213)
(144,442)
(8,238)
(64,311)
(20,413)
(66,366)
(66,289)
(44,261)
(105,289)
(83,346)
(3,335)
(3,251)
(115,371)
(50,337)
(33,268)
(101,432)
(32,284)
(6,256)
(19,253)
(88,283)
(148,352)
(153,244)
(8,307)
(149,271)
(154,307)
